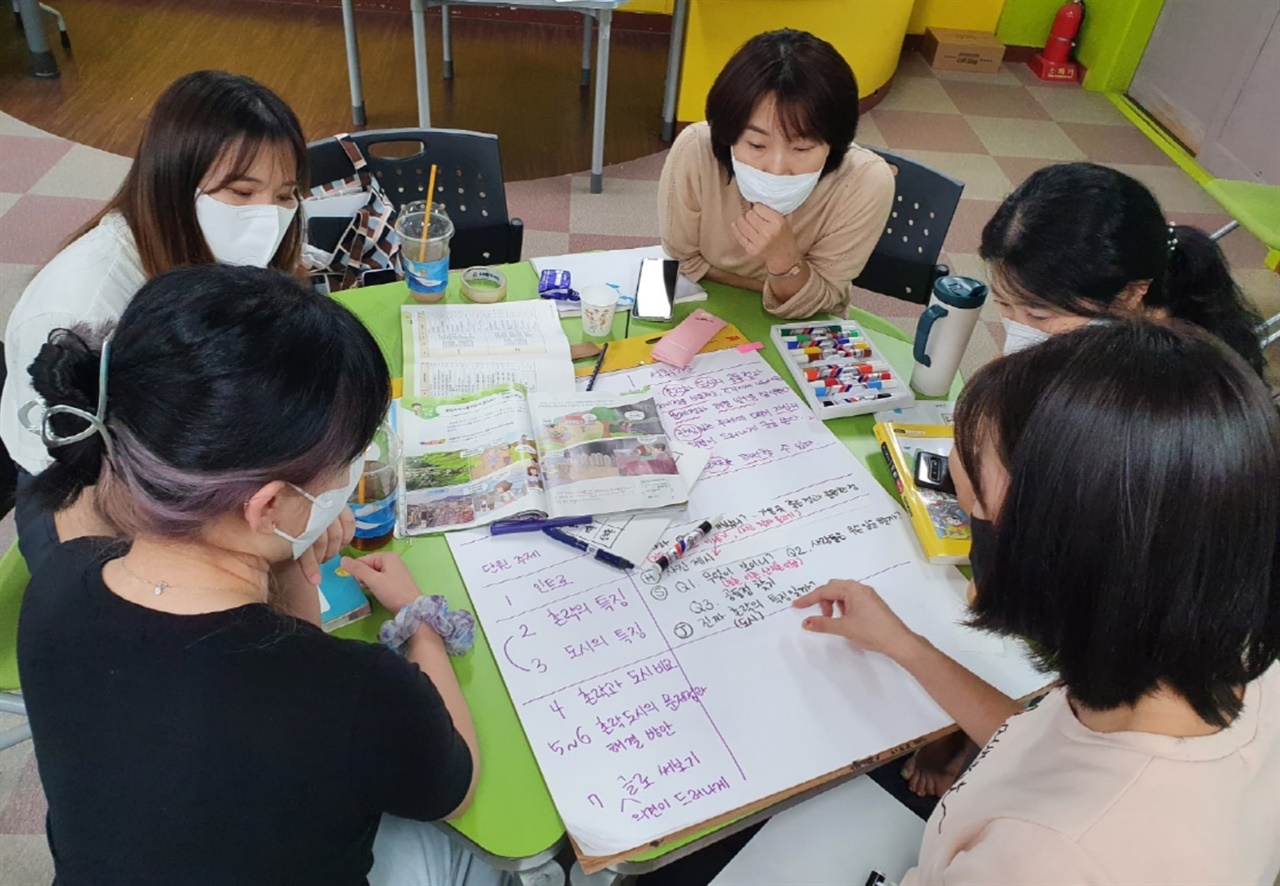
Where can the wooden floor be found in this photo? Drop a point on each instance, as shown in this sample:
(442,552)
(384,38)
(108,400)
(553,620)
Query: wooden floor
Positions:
(517,79)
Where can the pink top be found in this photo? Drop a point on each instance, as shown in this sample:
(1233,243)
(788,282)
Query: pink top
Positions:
(1050,801)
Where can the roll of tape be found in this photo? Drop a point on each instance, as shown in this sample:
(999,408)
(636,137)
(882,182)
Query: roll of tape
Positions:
(484,285)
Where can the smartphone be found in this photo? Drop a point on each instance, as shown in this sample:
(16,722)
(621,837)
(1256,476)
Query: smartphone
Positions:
(378,276)
(656,289)
(933,471)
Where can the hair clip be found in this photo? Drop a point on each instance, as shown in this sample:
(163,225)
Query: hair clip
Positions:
(1173,236)
(97,421)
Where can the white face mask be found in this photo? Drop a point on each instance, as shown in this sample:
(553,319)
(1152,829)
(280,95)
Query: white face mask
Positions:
(242,235)
(1019,336)
(325,508)
(781,193)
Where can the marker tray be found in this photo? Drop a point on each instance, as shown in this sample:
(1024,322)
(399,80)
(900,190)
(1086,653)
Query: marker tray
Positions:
(841,355)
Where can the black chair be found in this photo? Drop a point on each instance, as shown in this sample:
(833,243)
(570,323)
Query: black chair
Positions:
(904,263)
(468,183)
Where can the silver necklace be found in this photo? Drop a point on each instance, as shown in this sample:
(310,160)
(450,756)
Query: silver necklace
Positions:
(159,587)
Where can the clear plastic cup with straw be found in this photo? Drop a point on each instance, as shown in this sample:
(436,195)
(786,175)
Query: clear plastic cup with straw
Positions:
(424,249)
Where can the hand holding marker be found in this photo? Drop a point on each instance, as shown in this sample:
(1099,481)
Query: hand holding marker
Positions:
(680,547)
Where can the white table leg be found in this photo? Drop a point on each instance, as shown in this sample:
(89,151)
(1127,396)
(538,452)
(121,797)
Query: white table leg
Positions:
(675,57)
(548,873)
(418,9)
(353,62)
(579,877)
(43,63)
(602,92)
(446,39)
(587,19)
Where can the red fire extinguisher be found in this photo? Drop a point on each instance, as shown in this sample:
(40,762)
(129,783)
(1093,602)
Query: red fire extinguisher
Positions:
(1054,61)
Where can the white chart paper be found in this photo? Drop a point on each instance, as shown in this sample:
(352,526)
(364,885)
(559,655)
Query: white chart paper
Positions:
(652,707)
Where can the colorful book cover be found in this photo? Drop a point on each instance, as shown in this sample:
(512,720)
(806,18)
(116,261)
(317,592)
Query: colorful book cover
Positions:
(341,599)
(940,524)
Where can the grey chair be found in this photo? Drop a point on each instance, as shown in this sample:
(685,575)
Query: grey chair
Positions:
(904,263)
(468,183)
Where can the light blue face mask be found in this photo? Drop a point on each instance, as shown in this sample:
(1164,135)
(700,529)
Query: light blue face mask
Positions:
(325,508)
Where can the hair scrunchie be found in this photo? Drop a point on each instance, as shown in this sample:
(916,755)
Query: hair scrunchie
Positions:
(456,628)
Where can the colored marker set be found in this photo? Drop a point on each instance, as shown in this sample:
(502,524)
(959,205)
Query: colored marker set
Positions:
(862,372)
(838,370)
(834,389)
(858,350)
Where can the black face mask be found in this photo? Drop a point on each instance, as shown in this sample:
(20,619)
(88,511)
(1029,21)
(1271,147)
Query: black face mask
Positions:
(982,549)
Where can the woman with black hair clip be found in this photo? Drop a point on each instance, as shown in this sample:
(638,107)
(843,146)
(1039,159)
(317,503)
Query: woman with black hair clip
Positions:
(1076,243)
(770,194)
(1147,575)
(192,722)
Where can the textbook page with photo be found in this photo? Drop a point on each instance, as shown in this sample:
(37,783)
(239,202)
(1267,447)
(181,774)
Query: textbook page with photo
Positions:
(506,454)
(452,350)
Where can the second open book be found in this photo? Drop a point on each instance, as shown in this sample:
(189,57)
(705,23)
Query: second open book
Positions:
(504,454)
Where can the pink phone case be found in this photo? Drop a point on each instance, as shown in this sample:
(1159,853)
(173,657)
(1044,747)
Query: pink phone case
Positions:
(679,346)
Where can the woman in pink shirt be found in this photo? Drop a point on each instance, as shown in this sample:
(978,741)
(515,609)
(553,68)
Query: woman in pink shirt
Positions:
(1126,487)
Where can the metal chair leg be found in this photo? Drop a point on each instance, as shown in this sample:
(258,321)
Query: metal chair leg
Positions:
(446,41)
(1224,230)
(42,60)
(587,20)
(16,735)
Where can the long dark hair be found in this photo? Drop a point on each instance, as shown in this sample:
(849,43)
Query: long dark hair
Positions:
(219,379)
(814,88)
(1136,543)
(201,117)
(1074,235)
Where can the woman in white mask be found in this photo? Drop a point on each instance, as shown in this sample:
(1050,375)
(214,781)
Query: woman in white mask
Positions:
(216,179)
(770,193)
(1079,243)
(182,683)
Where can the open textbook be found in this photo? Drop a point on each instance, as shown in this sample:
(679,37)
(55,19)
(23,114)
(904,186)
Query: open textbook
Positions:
(506,454)
(450,350)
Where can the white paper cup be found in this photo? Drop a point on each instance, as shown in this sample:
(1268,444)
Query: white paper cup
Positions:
(598,304)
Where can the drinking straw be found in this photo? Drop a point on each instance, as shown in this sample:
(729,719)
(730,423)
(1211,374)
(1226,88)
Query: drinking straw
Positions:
(426,222)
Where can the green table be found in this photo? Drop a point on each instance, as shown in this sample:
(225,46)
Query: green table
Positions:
(512,820)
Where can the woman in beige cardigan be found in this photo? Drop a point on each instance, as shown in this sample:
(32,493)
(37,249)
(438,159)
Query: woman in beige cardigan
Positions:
(770,193)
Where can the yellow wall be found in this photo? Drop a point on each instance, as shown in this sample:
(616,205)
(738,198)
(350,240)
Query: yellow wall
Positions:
(663,6)
(1026,22)
(868,33)
(969,15)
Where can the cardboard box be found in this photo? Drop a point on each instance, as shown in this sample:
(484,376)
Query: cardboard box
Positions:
(948,49)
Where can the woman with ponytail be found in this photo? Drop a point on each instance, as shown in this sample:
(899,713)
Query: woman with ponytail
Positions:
(180,684)
(1078,242)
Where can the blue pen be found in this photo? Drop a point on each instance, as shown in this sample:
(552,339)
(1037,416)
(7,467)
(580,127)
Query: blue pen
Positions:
(578,544)
(506,527)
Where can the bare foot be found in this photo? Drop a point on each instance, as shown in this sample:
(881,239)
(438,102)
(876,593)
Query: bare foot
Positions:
(933,769)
